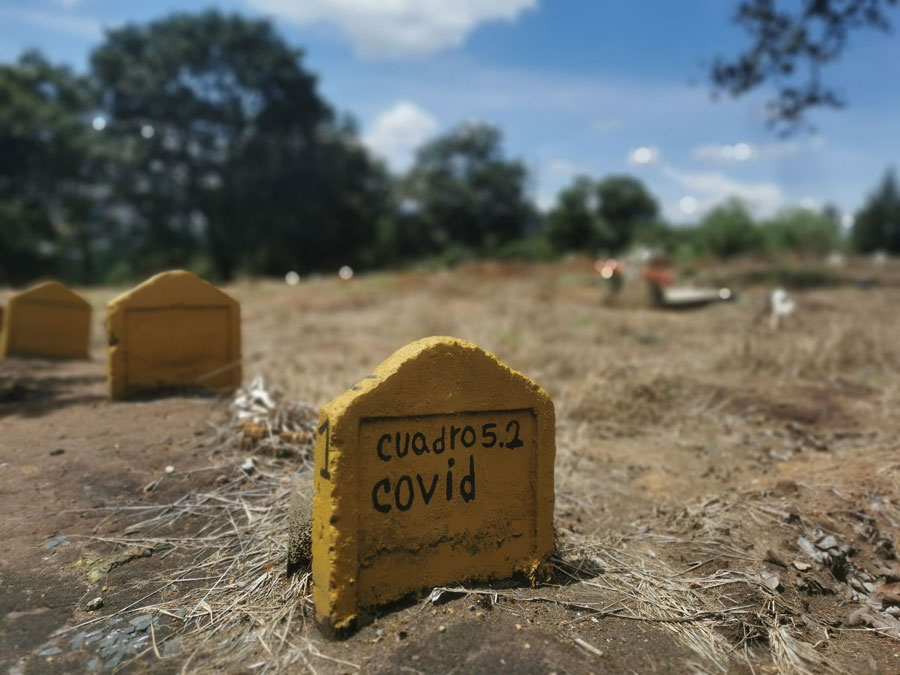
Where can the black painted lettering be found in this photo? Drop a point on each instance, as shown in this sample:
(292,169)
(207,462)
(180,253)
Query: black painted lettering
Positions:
(453,432)
(439,439)
(450,463)
(381,455)
(385,484)
(468,430)
(409,488)
(487,433)
(514,443)
(427,494)
(469,479)
(419,444)
(405,447)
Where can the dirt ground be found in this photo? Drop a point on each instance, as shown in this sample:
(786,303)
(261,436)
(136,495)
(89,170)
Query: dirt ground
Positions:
(726,493)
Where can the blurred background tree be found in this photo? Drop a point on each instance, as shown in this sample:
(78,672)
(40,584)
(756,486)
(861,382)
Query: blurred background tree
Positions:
(463,191)
(201,141)
(877,225)
(225,146)
(790,44)
(46,224)
(802,231)
(603,215)
(728,230)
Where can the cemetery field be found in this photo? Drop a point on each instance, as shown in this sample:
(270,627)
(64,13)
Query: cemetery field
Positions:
(727,494)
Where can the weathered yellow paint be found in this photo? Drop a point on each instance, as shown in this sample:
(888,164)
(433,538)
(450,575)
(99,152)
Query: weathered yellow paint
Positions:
(384,523)
(47,320)
(173,330)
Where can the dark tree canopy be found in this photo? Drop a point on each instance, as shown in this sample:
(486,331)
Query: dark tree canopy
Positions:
(224,140)
(877,225)
(790,44)
(466,192)
(44,149)
(605,215)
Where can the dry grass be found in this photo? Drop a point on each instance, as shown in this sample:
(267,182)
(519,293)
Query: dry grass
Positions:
(665,379)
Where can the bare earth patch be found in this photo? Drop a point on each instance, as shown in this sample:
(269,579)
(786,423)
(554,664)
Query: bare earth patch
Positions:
(727,495)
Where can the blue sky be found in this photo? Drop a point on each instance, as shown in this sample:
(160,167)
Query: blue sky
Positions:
(578,86)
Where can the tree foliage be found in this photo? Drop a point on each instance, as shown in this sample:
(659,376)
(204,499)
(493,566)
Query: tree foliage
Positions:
(464,191)
(802,231)
(593,215)
(44,152)
(728,230)
(877,225)
(790,44)
(223,140)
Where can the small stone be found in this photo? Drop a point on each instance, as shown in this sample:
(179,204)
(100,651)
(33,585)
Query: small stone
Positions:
(801,566)
(170,469)
(170,648)
(95,604)
(57,452)
(114,660)
(50,651)
(76,642)
(57,541)
(442,629)
(248,465)
(93,664)
(93,637)
(141,622)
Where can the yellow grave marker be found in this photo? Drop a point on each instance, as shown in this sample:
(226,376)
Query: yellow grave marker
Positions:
(173,330)
(436,469)
(48,321)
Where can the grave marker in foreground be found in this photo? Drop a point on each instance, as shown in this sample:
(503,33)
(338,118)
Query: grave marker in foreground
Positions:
(436,469)
(48,320)
(173,330)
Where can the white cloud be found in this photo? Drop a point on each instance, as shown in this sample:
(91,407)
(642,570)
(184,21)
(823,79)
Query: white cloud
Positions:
(563,167)
(743,151)
(398,131)
(397,28)
(53,21)
(715,188)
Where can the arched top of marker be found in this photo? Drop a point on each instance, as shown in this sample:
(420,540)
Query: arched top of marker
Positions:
(176,288)
(470,378)
(50,292)
(47,320)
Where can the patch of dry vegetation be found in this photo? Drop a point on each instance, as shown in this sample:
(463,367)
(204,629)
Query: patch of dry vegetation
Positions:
(708,392)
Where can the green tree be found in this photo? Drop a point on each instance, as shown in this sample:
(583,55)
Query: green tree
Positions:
(607,214)
(626,205)
(224,145)
(791,43)
(877,224)
(464,190)
(728,230)
(46,207)
(575,223)
(802,231)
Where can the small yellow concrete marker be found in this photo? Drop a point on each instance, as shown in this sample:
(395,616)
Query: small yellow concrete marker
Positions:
(46,321)
(173,330)
(436,469)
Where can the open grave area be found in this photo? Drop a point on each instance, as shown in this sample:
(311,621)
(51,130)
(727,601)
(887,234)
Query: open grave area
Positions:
(727,493)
